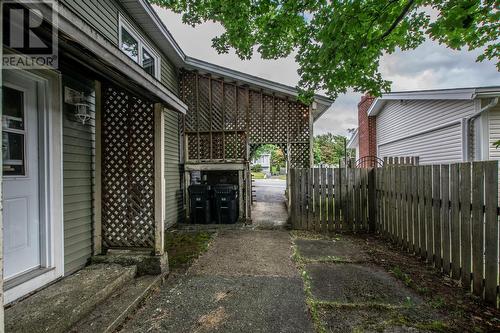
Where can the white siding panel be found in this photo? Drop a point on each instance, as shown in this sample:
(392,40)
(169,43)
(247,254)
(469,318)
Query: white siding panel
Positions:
(440,146)
(400,119)
(494,132)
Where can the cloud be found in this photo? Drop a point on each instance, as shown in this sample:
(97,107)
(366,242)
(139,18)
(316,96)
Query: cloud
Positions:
(430,66)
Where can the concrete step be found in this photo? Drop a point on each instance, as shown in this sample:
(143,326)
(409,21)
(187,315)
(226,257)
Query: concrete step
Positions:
(111,313)
(60,306)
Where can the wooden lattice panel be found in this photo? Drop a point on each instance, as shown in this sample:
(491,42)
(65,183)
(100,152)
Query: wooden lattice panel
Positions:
(268,128)
(204,112)
(188,93)
(242,108)
(192,142)
(204,146)
(300,155)
(217,99)
(217,146)
(281,119)
(230,108)
(128,170)
(255,115)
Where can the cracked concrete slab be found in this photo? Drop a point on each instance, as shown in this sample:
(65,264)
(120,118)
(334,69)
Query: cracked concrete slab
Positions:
(253,252)
(357,284)
(227,304)
(376,319)
(336,250)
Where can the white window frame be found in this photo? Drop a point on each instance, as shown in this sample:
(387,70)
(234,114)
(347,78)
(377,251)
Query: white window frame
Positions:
(143,45)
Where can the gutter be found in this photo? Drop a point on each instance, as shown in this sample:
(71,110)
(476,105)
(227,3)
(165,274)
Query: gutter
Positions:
(466,127)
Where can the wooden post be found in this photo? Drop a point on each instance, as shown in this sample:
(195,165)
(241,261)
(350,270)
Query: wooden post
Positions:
(437,215)
(465,223)
(491,232)
(455,220)
(477,227)
(159,167)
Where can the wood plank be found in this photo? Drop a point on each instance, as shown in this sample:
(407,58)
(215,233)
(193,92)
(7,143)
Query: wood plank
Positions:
(455,220)
(387,189)
(465,224)
(330,198)
(317,200)
(337,197)
(372,199)
(477,227)
(303,199)
(397,203)
(363,199)
(421,213)
(436,215)
(428,212)
(344,202)
(293,196)
(445,219)
(491,232)
(414,200)
(324,205)
(403,215)
(357,199)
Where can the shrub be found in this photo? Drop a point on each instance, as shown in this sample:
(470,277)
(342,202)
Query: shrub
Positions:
(257,168)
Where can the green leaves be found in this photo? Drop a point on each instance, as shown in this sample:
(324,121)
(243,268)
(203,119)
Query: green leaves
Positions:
(337,43)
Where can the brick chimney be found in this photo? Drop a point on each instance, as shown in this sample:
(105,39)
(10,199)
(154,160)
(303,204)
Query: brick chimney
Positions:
(367,128)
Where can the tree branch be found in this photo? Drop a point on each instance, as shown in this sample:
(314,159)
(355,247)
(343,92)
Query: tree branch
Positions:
(401,16)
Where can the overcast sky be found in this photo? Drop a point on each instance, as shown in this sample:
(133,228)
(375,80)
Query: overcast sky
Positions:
(430,66)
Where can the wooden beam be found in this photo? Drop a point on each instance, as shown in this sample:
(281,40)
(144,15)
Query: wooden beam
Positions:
(159,162)
(214,167)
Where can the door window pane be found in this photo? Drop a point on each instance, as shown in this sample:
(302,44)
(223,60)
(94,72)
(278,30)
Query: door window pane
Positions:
(13,109)
(148,62)
(130,46)
(13,154)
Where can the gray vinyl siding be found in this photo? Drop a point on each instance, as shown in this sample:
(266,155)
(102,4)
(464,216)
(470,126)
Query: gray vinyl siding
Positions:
(173,169)
(103,16)
(100,15)
(404,128)
(494,132)
(78,183)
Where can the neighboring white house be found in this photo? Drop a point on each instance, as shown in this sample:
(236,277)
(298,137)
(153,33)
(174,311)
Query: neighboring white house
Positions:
(265,161)
(438,126)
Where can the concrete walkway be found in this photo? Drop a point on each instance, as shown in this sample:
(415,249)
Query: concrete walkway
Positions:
(245,282)
(269,209)
(346,292)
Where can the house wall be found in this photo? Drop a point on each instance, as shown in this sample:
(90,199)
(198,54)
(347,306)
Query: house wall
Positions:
(173,169)
(103,16)
(78,175)
(494,132)
(429,129)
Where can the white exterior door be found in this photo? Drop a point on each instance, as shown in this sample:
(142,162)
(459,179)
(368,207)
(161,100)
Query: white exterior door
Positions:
(21,197)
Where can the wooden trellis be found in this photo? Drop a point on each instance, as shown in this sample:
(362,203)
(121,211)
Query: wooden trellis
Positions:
(128,170)
(224,118)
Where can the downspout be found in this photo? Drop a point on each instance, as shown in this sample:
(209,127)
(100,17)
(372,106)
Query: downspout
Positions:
(467,127)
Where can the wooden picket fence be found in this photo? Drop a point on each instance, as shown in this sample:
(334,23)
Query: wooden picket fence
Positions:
(332,199)
(446,214)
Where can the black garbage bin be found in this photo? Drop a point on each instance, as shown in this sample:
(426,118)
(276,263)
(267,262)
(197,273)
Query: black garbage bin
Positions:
(200,204)
(226,203)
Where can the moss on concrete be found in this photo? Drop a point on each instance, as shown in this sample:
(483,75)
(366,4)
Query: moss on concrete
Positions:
(185,246)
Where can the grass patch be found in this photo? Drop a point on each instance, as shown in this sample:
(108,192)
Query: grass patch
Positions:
(184,247)
(258,175)
(399,274)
